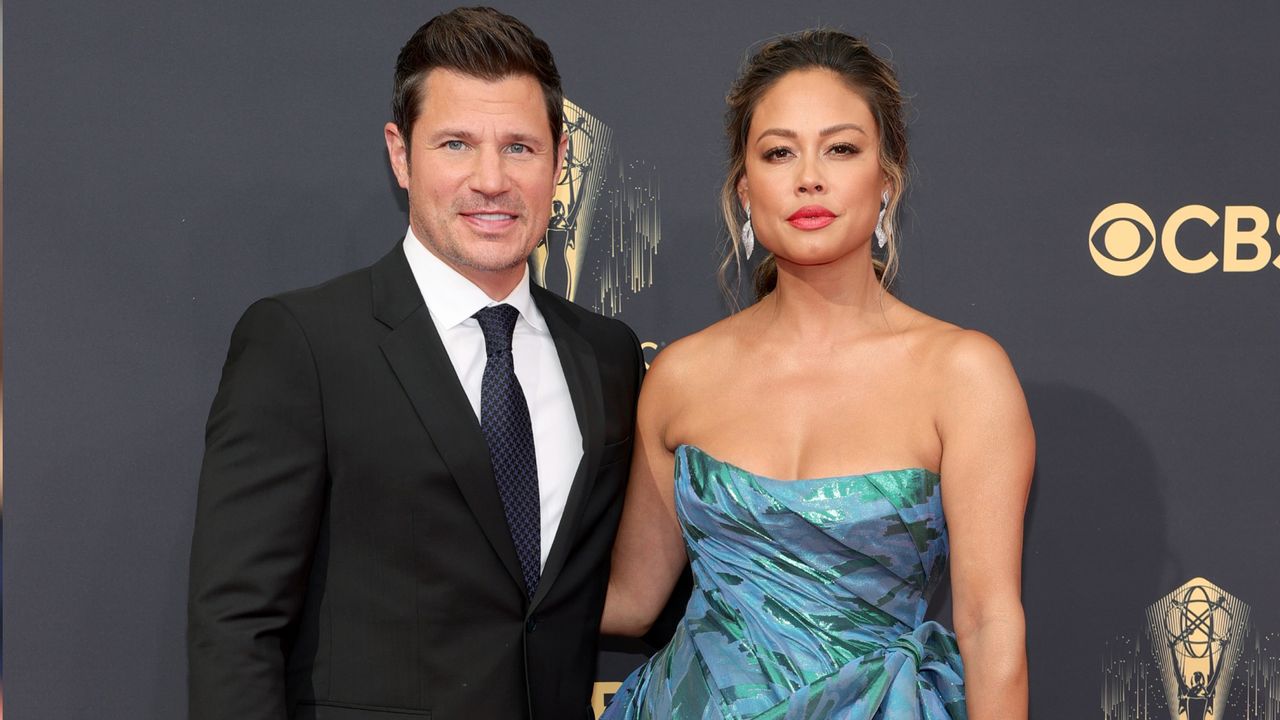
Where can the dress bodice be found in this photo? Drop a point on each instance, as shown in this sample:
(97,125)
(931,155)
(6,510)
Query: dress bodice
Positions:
(808,601)
(852,548)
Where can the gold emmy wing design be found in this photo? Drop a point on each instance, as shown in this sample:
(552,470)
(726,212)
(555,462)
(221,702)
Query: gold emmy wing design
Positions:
(604,231)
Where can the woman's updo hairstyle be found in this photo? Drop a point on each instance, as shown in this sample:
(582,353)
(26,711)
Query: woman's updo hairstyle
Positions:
(866,74)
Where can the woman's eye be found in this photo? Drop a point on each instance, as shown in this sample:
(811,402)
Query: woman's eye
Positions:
(844,149)
(777,153)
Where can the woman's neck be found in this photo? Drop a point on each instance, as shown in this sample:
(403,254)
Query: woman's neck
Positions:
(827,302)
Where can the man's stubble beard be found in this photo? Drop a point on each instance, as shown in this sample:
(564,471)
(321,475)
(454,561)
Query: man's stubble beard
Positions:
(440,239)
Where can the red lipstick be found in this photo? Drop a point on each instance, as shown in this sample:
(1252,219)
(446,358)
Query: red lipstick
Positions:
(811,217)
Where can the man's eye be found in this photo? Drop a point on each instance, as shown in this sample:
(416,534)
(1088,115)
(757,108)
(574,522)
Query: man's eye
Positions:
(455,145)
(518,149)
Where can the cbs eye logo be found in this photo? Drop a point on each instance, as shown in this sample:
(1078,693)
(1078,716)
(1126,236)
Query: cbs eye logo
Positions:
(1123,239)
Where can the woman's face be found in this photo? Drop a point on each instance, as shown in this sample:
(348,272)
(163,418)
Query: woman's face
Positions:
(813,177)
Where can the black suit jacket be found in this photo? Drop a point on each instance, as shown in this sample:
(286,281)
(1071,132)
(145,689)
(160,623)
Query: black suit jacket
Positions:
(351,559)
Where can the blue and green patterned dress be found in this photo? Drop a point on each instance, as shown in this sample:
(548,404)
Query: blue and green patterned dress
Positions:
(808,601)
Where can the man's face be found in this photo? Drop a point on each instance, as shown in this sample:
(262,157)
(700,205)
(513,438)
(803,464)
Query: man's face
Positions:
(481,173)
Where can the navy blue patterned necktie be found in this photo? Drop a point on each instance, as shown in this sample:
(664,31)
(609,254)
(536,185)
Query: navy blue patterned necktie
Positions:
(504,419)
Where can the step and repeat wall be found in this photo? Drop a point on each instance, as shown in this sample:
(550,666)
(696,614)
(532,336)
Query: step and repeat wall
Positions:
(1095,186)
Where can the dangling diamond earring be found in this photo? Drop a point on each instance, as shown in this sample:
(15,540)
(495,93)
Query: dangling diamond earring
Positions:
(748,234)
(882,238)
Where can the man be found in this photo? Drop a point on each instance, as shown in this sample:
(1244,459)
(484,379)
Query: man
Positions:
(412,473)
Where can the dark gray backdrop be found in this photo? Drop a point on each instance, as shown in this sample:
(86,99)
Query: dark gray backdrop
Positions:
(169,162)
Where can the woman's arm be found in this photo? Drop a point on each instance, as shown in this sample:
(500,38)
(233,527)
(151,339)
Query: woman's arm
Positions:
(648,554)
(988,455)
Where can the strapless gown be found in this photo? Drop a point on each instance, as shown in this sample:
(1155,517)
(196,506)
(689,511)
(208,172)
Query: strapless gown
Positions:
(808,601)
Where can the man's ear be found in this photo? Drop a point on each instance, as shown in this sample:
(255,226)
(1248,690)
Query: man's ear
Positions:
(397,153)
(561,152)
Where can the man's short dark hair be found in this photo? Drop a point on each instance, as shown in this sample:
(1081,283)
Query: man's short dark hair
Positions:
(480,42)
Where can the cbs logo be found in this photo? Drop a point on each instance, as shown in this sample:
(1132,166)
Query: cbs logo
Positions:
(1116,239)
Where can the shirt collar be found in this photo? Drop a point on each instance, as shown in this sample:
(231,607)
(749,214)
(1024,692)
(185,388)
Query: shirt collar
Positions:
(453,299)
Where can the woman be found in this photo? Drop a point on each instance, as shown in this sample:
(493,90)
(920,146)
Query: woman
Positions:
(810,591)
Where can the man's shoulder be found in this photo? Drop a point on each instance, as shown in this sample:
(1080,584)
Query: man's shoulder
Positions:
(591,325)
(342,307)
(353,291)
(347,286)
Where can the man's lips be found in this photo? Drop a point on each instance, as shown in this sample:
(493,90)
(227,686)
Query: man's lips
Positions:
(490,214)
(811,217)
(489,220)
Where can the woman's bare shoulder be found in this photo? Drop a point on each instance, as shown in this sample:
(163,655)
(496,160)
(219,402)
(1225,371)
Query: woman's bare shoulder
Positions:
(968,370)
(949,351)
(681,378)
(695,356)
(971,356)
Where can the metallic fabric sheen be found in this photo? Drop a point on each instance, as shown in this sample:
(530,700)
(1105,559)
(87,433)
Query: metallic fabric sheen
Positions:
(808,602)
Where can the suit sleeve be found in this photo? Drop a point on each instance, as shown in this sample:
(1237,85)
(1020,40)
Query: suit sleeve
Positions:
(261,495)
(641,367)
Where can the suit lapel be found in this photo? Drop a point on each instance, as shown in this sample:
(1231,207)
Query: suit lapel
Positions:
(418,358)
(582,375)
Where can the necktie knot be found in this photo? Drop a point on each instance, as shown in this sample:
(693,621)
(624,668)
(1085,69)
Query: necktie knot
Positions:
(497,322)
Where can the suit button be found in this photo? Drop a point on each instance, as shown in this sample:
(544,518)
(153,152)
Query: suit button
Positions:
(531,624)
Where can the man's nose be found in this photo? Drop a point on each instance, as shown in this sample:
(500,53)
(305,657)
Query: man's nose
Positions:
(489,176)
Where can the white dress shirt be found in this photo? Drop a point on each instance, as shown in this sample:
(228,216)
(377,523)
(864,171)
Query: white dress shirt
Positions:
(452,300)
